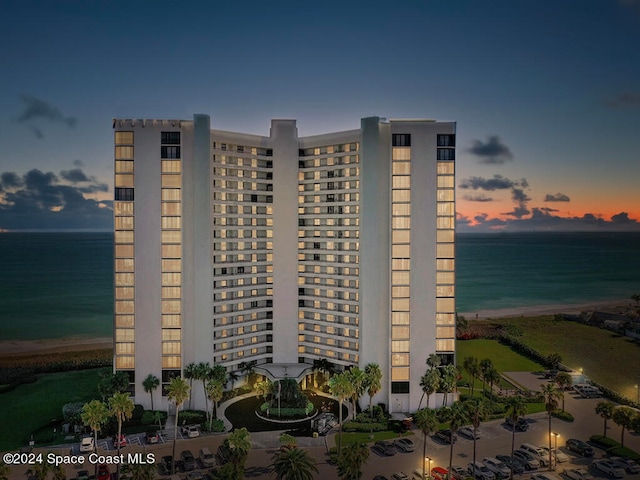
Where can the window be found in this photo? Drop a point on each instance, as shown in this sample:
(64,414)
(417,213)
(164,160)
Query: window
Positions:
(124,194)
(447,140)
(170,138)
(124,138)
(401,140)
(170,152)
(399,387)
(446,154)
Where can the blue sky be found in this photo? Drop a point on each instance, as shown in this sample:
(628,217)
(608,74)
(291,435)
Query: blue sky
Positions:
(546,94)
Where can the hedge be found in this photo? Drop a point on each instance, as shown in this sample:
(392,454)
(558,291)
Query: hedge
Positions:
(566,416)
(614,448)
(363,427)
(216,426)
(287,412)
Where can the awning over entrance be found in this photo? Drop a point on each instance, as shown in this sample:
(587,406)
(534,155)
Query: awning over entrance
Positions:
(278,371)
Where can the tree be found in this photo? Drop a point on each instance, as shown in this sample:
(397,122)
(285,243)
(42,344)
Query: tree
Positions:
(458,416)
(554,360)
(121,407)
(373,383)
(190,373)
(219,374)
(111,383)
(623,416)
(636,298)
(324,367)
(477,411)
(461,325)
(264,388)
(140,471)
(94,415)
(150,384)
(551,397)
(203,372)
(177,392)
(351,459)
(357,378)
(239,444)
(232,377)
(293,463)
(214,391)
(427,421)
(472,367)
(493,377)
(448,380)
(287,440)
(563,381)
(39,471)
(433,361)
(4,470)
(605,410)
(429,384)
(485,366)
(59,472)
(516,408)
(340,387)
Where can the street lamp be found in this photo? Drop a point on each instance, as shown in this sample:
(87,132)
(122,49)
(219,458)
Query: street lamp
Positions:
(427,474)
(638,389)
(555,448)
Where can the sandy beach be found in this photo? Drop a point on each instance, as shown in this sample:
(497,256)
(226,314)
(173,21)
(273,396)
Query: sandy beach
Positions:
(613,306)
(12,348)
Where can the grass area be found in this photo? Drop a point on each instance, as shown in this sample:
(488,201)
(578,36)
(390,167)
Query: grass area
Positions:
(504,359)
(600,353)
(30,407)
(363,437)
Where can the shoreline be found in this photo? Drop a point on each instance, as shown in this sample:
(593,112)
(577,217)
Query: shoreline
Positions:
(20,348)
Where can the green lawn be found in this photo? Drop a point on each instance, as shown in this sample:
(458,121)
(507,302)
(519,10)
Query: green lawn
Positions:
(362,437)
(33,406)
(604,356)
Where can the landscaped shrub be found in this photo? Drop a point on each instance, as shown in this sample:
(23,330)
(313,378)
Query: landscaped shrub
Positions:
(266,409)
(71,413)
(613,447)
(136,415)
(566,416)
(191,417)
(150,417)
(217,426)
(365,416)
(363,427)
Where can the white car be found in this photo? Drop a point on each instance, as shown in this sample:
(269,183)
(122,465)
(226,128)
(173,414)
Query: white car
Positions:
(190,431)
(557,454)
(480,471)
(87,444)
(577,474)
(468,432)
(544,476)
(496,466)
(609,467)
(629,465)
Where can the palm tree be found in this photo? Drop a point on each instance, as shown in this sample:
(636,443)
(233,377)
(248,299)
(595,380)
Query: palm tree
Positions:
(190,373)
(351,460)
(554,360)
(203,372)
(39,471)
(427,421)
(605,410)
(60,474)
(140,471)
(448,381)
(121,407)
(516,408)
(485,365)
(240,444)
(563,381)
(94,415)
(433,361)
(458,416)
(472,367)
(340,387)
(264,388)
(150,384)
(214,391)
(357,378)
(493,377)
(623,416)
(551,396)
(4,470)
(478,411)
(233,378)
(373,383)
(177,392)
(429,384)
(292,463)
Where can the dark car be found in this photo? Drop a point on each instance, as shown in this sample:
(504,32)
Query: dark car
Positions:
(579,447)
(82,475)
(513,463)
(446,436)
(405,444)
(521,424)
(384,448)
(188,460)
(380,477)
(167,464)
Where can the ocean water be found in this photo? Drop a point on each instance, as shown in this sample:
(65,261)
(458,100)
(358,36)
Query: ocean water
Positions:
(55,285)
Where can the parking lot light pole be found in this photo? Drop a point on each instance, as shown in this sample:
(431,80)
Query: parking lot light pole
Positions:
(428,472)
(555,448)
(638,389)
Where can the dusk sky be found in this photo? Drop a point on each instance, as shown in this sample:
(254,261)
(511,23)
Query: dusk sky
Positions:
(546,95)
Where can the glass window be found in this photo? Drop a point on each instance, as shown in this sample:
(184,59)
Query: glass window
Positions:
(444,278)
(171,362)
(124,362)
(401,153)
(123,180)
(445,304)
(124,279)
(171,180)
(171,194)
(124,320)
(401,236)
(399,359)
(446,208)
(123,236)
(445,195)
(446,140)
(445,168)
(401,196)
(445,332)
(170,208)
(445,181)
(124,293)
(399,346)
(123,194)
(171,222)
(124,307)
(400,278)
(124,265)
(400,318)
(171,166)
(401,168)
(170,265)
(402,181)
(171,251)
(445,345)
(445,291)
(399,387)
(123,251)
(124,153)
(400,292)
(447,223)
(400,304)
(123,208)
(401,140)
(401,373)
(400,251)
(170,306)
(170,138)
(445,250)
(124,166)
(446,154)
(445,236)
(400,333)
(401,209)
(124,138)
(400,264)
(123,223)
(171,321)
(169,152)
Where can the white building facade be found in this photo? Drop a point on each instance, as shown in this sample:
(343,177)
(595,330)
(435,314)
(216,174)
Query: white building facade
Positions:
(233,248)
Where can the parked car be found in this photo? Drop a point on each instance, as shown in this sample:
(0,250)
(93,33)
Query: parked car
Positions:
(188,460)
(103,472)
(152,437)
(400,476)
(469,433)
(190,431)
(544,476)
(577,474)
(120,441)
(521,425)
(529,461)
(206,457)
(384,448)
(560,457)
(418,474)
(480,471)
(405,444)
(167,464)
(629,465)
(195,475)
(608,467)
(512,463)
(446,436)
(537,452)
(439,473)
(87,444)
(380,477)
(500,469)
(579,447)
(82,475)
(458,473)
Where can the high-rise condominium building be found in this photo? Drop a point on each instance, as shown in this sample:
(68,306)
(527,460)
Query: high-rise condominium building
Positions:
(280,250)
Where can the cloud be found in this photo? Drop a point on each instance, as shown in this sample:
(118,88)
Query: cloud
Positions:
(45,200)
(624,100)
(558,197)
(493,151)
(622,218)
(498,182)
(478,198)
(78,163)
(38,109)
